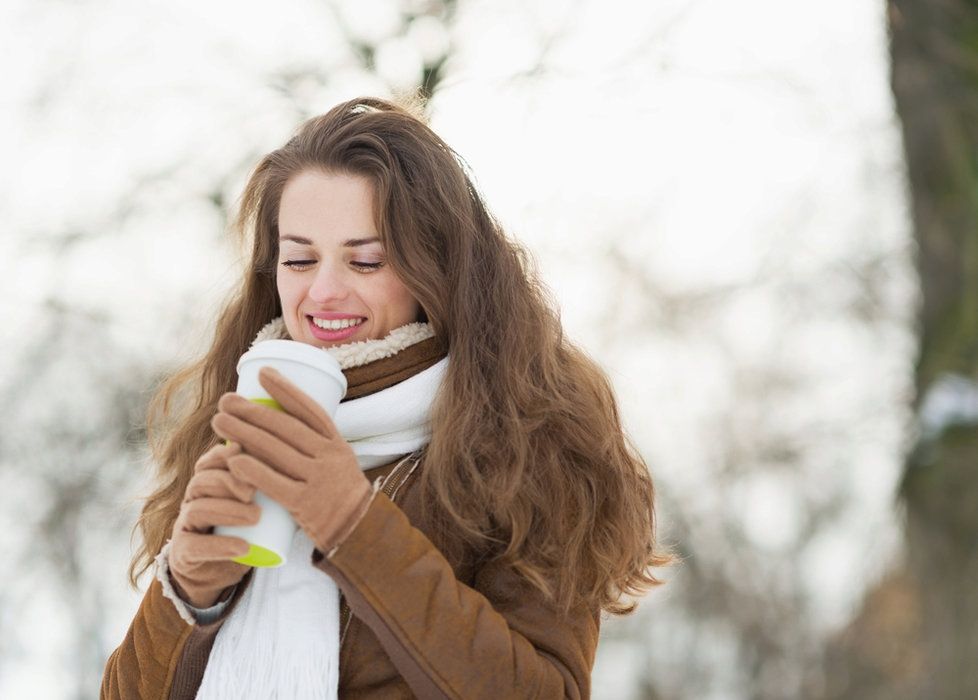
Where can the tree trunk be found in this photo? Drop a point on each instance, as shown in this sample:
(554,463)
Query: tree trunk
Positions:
(916,635)
(934,46)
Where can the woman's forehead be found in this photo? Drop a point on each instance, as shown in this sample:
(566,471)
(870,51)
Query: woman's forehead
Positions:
(322,209)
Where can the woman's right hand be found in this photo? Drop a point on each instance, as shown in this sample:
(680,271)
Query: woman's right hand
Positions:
(200,561)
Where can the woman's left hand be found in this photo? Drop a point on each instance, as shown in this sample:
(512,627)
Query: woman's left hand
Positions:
(297,457)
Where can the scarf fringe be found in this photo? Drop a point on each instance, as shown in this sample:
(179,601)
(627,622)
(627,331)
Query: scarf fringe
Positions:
(285,629)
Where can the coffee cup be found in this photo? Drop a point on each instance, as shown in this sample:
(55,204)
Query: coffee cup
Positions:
(318,374)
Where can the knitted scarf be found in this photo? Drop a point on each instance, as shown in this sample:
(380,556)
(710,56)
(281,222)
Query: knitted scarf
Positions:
(282,638)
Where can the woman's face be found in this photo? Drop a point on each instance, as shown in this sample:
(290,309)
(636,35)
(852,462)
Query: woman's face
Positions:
(333,280)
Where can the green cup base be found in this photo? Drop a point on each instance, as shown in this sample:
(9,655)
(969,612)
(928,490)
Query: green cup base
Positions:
(260,557)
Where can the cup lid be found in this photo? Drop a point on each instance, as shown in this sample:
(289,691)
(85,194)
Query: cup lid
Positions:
(294,351)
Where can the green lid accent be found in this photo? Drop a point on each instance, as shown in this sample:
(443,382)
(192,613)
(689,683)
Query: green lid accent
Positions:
(260,557)
(271,403)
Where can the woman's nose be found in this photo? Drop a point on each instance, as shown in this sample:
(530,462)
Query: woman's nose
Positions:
(328,285)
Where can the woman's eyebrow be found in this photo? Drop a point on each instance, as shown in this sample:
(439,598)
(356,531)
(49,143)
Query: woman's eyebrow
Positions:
(349,243)
(354,242)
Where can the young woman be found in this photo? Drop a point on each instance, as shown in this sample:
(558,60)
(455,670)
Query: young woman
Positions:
(468,512)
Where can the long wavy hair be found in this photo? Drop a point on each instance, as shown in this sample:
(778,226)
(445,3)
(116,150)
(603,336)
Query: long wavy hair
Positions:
(528,461)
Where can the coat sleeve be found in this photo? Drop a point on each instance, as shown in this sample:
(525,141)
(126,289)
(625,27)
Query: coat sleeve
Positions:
(498,639)
(163,656)
(143,666)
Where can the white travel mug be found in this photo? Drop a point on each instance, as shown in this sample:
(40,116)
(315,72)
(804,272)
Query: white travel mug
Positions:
(318,374)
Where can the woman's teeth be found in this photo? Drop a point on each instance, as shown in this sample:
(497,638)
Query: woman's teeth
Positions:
(338,324)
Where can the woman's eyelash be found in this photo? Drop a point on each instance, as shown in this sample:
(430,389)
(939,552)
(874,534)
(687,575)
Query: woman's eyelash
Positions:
(303,264)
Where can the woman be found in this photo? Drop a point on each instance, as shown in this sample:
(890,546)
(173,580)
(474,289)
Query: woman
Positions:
(471,531)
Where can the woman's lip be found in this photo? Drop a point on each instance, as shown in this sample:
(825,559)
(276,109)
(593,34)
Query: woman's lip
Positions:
(323,334)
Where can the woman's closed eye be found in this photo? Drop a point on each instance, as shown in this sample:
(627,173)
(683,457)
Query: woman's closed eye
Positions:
(299,265)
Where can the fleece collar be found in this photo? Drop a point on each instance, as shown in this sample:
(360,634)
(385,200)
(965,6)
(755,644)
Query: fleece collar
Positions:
(373,365)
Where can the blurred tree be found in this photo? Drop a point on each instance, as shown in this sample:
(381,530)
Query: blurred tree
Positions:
(935,81)
(423,24)
(738,620)
(72,390)
(917,633)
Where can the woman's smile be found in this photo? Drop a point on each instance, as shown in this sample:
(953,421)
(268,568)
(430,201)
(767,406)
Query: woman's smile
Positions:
(333,330)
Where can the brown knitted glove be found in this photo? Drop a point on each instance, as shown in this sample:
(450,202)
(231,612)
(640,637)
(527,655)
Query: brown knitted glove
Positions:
(200,561)
(297,457)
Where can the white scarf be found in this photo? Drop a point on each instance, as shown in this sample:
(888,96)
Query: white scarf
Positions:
(282,638)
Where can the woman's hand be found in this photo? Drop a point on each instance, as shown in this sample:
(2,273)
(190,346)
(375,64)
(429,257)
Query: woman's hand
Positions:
(200,562)
(296,457)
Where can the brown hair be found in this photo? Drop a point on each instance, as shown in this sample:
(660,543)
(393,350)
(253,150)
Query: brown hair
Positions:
(527,458)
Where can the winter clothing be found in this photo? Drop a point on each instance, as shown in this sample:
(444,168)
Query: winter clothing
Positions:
(413,623)
(284,638)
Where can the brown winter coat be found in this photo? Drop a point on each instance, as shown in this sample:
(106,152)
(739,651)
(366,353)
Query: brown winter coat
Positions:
(421,625)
